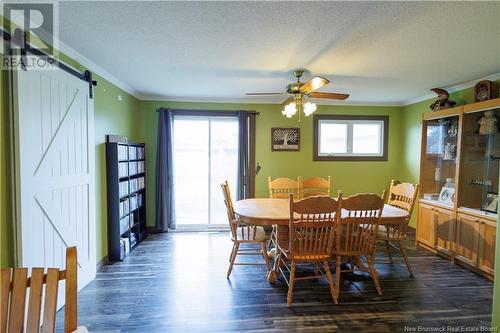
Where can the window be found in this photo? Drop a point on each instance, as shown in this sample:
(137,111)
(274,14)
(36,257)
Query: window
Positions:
(344,138)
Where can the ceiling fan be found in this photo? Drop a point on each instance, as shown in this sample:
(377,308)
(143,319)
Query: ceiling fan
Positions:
(299,90)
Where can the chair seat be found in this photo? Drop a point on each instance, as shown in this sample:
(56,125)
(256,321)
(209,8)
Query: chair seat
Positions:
(382,234)
(260,234)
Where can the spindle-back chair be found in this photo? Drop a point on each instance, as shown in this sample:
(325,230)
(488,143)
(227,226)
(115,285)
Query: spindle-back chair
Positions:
(313,186)
(401,195)
(242,233)
(356,235)
(15,285)
(311,229)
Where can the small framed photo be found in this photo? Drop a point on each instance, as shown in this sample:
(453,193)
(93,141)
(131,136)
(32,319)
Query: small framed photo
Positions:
(285,139)
(447,195)
(490,203)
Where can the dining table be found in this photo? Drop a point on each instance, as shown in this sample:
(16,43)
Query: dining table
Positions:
(276,212)
(270,211)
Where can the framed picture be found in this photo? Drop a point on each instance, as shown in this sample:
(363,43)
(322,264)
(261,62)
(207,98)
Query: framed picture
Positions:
(285,139)
(490,203)
(447,195)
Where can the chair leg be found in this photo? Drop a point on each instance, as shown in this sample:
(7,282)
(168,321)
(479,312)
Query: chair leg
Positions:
(337,280)
(266,257)
(273,274)
(232,258)
(374,274)
(272,239)
(330,280)
(291,285)
(389,250)
(405,258)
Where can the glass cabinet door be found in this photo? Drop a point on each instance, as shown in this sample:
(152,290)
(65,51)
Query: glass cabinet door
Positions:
(480,161)
(440,160)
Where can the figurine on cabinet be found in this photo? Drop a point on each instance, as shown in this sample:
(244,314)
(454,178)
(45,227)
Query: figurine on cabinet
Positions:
(443,101)
(453,129)
(488,123)
(450,151)
(484,91)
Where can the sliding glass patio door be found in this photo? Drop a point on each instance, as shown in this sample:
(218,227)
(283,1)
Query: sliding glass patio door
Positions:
(205,155)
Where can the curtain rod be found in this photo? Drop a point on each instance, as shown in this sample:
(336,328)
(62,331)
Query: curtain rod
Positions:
(211,111)
(20,39)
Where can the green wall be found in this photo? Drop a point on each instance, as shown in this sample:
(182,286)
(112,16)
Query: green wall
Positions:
(111,116)
(6,232)
(350,177)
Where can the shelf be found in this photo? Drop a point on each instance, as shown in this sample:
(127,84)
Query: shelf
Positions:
(436,203)
(130,212)
(135,175)
(116,157)
(478,213)
(132,160)
(125,232)
(132,193)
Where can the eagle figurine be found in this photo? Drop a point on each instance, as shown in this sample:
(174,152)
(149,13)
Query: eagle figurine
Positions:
(443,101)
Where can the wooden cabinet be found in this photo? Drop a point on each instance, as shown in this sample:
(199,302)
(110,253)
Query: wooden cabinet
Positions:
(435,227)
(466,243)
(426,225)
(459,163)
(475,242)
(444,229)
(486,248)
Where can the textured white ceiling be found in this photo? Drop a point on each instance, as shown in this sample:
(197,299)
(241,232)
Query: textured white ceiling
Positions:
(379,52)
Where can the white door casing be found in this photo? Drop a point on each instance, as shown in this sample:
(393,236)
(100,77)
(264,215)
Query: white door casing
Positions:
(54,158)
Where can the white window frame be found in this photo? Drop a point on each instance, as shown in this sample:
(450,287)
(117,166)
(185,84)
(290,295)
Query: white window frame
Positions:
(350,121)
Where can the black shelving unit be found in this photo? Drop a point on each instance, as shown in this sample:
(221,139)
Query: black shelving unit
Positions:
(126,195)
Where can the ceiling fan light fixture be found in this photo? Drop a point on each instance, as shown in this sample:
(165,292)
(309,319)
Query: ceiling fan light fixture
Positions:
(309,108)
(290,110)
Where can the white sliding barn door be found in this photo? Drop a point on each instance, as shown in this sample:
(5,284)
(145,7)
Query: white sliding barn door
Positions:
(55,196)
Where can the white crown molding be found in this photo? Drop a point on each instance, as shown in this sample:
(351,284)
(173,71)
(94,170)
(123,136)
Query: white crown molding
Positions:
(92,66)
(253,100)
(85,62)
(451,89)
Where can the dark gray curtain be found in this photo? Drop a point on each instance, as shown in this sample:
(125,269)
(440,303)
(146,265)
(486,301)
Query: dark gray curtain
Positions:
(246,121)
(165,208)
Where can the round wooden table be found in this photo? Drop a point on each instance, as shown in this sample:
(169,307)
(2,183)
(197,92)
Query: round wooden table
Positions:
(268,212)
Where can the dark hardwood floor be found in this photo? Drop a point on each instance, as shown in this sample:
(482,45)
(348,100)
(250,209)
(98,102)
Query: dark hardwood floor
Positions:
(177,282)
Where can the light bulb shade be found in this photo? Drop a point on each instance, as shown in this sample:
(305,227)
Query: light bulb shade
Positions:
(309,108)
(290,110)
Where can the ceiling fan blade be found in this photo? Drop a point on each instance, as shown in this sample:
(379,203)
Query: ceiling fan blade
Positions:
(327,95)
(263,94)
(288,100)
(313,84)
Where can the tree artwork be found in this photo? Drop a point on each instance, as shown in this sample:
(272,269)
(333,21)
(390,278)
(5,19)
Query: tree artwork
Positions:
(285,138)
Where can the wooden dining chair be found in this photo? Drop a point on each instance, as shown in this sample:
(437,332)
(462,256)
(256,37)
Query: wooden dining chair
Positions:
(356,234)
(281,187)
(242,233)
(311,228)
(314,186)
(14,286)
(403,196)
